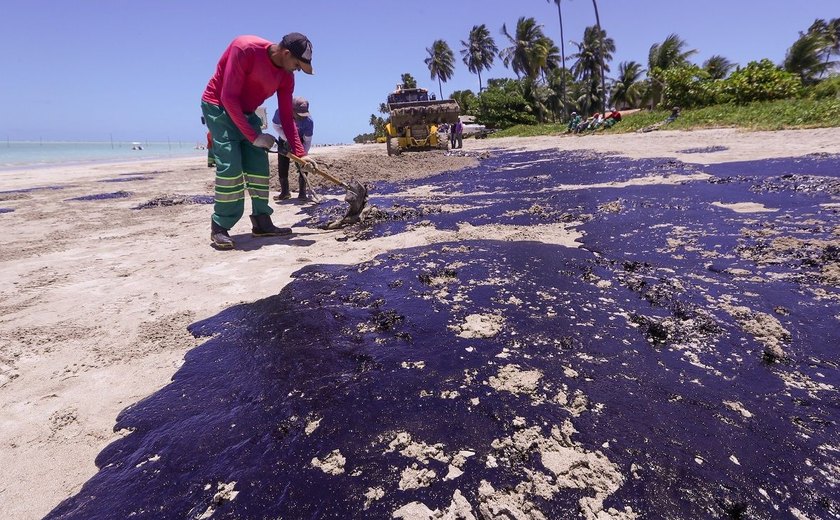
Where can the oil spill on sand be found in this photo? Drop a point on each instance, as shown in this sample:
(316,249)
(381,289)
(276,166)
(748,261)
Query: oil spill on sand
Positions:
(175,200)
(707,149)
(6,210)
(103,196)
(128,179)
(629,377)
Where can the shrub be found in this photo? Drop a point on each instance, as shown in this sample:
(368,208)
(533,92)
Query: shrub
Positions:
(761,81)
(688,86)
(502,105)
(828,88)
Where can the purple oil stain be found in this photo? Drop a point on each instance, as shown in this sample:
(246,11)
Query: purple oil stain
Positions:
(37,188)
(176,200)
(6,210)
(707,149)
(155,172)
(128,179)
(320,402)
(103,196)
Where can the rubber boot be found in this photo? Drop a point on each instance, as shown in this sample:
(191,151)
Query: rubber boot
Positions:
(284,190)
(302,187)
(261,226)
(219,236)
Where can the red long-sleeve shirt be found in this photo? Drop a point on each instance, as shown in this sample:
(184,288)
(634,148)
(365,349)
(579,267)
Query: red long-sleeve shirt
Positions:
(244,78)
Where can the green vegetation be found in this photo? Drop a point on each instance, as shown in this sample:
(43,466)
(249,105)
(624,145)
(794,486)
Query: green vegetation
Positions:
(766,115)
(800,92)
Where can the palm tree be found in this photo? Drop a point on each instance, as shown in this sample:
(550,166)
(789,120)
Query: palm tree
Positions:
(829,32)
(479,51)
(526,48)
(562,57)
(668,54)
(547,57)
(804,58)
(601,54)
(628,89)
(593,53)
(441,62)
(718,67)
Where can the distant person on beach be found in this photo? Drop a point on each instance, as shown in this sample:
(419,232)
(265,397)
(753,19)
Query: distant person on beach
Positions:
(250,70)
(306,128)
(675,113)
(456,136)
(574,121)
(612,118)
(584,124)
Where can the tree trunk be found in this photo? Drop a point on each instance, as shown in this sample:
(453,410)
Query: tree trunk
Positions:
(440,87)
(601,38)
(563,61)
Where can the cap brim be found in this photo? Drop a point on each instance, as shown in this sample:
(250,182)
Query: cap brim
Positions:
(306,67)
(302,114)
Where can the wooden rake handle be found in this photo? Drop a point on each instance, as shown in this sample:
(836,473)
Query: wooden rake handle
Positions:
(319,171)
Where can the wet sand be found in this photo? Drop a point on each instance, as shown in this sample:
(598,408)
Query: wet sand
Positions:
(97,296)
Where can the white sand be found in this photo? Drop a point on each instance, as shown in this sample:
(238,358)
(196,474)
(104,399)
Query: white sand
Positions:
(95,296)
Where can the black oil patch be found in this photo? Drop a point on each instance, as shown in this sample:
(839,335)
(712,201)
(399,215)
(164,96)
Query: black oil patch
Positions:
(103,196)
(128,179)
(175,200)
(631,372)
(706,149)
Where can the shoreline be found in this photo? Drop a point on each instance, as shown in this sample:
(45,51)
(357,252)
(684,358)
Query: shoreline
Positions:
(97,296)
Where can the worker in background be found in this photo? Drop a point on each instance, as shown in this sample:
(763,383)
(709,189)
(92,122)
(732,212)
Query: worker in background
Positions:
(305,128)
(457,134)
(250,70)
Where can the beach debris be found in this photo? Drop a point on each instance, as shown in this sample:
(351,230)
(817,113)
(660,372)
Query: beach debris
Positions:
(356,197)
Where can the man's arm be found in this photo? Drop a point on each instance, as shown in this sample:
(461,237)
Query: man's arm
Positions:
(232,89)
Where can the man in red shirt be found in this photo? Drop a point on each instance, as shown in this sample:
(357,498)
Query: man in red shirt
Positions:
(250,70)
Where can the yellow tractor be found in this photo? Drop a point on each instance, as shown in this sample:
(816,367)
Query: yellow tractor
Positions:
(415,119)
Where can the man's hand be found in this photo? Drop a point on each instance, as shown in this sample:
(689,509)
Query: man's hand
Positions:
(310,163)
(282,146)
(264,141)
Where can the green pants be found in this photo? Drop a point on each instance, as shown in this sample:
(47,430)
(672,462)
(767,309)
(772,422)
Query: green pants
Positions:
(239,166)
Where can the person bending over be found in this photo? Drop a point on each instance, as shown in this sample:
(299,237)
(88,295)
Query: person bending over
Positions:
(250,70)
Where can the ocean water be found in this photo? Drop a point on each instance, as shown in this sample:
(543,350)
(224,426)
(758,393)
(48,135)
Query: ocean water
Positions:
(14,154)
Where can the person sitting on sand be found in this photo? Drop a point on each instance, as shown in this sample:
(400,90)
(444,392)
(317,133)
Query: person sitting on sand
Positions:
(598,120)
(584,125)
(612,118)
(306,128)
(250,70)
(574,121)
(675,113)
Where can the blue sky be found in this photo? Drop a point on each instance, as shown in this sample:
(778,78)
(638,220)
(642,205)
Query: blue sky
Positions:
(92,69)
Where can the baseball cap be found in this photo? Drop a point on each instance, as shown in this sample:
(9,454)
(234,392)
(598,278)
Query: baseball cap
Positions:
(301,48)
(300,106)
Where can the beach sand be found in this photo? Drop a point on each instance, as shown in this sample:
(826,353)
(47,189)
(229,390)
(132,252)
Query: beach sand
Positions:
(96,296)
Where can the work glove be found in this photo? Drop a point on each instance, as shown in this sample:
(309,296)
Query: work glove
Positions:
(283,146)
(310,163)
(265,141)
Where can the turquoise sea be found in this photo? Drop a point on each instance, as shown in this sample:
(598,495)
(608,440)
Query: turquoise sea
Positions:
(16,154)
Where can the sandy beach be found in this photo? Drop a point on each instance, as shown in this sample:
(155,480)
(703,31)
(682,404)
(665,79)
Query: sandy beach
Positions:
(97,295)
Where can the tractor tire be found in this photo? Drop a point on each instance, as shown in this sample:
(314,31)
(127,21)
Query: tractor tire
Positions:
(392,144)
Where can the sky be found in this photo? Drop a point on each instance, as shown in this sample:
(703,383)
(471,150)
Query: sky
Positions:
(94,70)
